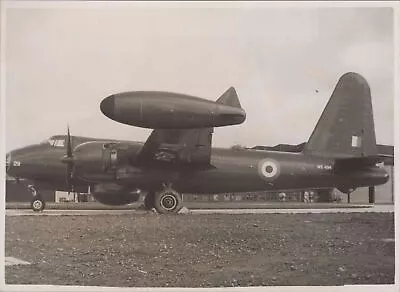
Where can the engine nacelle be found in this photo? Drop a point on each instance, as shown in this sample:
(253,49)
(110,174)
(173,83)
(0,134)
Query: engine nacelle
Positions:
(114,154)
(96,161)
(115,195)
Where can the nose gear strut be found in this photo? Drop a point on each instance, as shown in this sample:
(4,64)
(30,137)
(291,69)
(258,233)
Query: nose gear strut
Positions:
(37,202)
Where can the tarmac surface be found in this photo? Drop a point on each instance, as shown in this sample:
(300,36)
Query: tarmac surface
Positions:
(192,205)
(352,209)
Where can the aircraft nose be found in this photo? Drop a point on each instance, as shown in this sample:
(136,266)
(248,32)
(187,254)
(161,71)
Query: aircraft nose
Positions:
(107,106)
(8,161)
(386,176)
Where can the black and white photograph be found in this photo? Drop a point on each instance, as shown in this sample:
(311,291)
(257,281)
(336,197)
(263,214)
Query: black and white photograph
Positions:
(199,145)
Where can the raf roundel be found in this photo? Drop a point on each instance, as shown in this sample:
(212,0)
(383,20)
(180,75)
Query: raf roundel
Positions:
(268,169)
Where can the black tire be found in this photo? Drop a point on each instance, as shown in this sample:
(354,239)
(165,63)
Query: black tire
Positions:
(168,201)
(149,201)
(38,204)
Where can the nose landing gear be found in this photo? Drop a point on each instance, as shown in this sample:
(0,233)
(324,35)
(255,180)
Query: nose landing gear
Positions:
(37,202)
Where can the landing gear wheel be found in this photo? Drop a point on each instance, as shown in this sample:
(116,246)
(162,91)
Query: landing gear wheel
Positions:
(37,204)
(168,201)
(149,201)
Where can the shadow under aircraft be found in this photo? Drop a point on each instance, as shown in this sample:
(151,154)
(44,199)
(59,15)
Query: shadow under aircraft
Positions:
(178,158)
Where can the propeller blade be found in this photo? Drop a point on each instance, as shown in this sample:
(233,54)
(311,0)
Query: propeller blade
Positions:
(69,144)
(70,163)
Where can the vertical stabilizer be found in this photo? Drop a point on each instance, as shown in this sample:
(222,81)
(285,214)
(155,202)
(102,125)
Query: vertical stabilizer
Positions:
(230,98)
(346,126)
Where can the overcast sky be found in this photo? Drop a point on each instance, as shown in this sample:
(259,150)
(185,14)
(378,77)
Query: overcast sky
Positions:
(62,62)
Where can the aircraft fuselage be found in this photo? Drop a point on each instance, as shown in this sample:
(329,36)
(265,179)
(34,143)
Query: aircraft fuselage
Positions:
(229,170)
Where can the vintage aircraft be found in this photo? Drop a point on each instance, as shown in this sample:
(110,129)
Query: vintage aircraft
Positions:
(177,157)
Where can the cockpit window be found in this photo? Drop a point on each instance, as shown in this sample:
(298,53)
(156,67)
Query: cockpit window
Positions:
(59,143)
(54,142)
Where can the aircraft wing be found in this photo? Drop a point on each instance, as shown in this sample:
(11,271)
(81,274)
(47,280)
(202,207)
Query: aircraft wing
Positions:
(184,146)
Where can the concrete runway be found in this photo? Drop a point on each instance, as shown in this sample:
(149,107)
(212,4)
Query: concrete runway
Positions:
(374,208)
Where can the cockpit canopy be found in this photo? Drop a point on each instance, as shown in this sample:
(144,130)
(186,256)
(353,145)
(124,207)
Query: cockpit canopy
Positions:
(55,141)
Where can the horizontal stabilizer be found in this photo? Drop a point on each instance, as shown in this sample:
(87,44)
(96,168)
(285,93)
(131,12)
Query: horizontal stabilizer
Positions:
(354,163)
(230,98)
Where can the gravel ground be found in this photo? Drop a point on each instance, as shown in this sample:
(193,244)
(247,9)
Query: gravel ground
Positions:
(150,250)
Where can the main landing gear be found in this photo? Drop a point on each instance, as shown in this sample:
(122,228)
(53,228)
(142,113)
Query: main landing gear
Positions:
(167,201)
(37,202)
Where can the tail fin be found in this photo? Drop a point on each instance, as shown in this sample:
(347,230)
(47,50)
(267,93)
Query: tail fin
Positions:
(346,126)
(230,98)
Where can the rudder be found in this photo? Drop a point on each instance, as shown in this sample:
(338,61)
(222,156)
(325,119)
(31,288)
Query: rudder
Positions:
(346,126)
